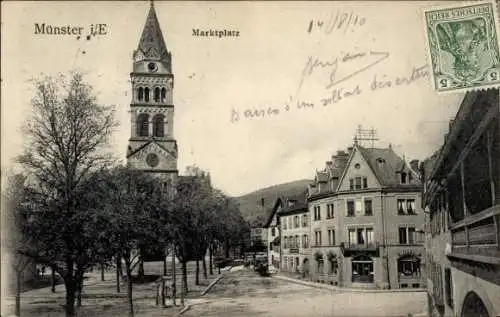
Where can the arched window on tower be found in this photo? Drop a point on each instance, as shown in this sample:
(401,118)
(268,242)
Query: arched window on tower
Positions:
(159,125)
(143,124)
(146,94)
(140,94)
(163,95)
(157,94)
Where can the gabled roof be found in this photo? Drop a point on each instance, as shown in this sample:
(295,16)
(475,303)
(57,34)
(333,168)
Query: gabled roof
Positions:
(152,43)
(384,164)
(130,153)
(322,176)
(300,203)
(279,203)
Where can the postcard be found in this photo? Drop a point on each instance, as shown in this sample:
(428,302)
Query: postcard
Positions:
(250,158)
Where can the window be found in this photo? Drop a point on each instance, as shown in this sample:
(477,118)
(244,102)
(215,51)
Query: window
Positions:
(448,284)
(317,213)
(317,237)
(329,211)
(331,237)
(352,236)
(296,221)
(296,242)
(333,267)
(408,267)
(305,241)
(406,206)
(403,178)
(143,124)
(146,94)
(410,206)
(358,206)
(304,220)
(411,236)
(358,183)
(361,236)
(365,182)
(369,236)
(350,208)
(407,235)
(351,184)
(163,95)
(320,266)
(273,232)
(401,206)
(157,94)
(402,236)
(368,207)
(140,94)
(284,223)
(159,125)
(362,269)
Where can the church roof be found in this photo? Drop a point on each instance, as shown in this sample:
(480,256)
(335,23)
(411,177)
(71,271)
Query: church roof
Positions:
(152,43)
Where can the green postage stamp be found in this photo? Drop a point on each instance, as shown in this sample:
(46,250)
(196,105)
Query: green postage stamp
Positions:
(464,46)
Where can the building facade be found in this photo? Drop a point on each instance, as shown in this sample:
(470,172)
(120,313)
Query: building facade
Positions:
(325,225)
(152,146)
(365,228)
(462,197)
(295,230)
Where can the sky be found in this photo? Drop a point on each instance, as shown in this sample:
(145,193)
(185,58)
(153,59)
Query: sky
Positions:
(281,67)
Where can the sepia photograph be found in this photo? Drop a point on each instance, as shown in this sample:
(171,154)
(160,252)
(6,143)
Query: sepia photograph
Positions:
(250,158)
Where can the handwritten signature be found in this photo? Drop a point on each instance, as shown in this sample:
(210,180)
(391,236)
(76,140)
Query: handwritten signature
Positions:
(314,63)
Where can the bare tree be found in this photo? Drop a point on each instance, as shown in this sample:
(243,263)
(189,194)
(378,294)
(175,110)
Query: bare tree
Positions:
(66,141)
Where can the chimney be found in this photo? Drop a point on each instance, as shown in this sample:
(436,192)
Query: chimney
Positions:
(414,164)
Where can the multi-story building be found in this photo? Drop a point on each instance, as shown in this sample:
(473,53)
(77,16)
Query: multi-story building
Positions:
(325,246)
(365,226)
(462,197)
(274,234)
(295,230)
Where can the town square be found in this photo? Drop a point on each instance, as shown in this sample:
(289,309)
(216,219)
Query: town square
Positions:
(255,159)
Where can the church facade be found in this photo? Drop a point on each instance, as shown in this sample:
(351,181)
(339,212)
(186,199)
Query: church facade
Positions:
(152,146)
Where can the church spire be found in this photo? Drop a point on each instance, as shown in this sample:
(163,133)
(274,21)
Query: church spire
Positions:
(152,45)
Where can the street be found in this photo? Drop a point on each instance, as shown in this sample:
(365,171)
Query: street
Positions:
(244,293)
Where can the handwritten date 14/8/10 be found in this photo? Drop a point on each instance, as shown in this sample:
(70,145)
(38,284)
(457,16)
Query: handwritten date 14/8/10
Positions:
(338,22)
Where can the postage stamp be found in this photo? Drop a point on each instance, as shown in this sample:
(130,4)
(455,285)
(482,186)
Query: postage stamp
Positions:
(463,46)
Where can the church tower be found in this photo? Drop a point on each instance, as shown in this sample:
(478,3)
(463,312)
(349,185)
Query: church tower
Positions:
(152,146)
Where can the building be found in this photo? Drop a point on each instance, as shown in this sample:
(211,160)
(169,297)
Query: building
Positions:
(295,231)
(152,146)
(365,225)
(462,197)
(273,228)
(325,246)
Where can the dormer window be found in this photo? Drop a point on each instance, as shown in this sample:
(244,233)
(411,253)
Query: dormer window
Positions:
(403,178)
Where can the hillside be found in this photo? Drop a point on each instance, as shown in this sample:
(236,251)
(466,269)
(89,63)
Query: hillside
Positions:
(251,206)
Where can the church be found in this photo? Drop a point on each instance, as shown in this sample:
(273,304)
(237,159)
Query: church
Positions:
(152,146)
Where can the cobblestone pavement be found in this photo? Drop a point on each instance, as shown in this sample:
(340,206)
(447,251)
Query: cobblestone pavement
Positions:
(244,293)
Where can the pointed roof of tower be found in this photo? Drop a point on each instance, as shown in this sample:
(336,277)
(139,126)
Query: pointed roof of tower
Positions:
(152,43)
